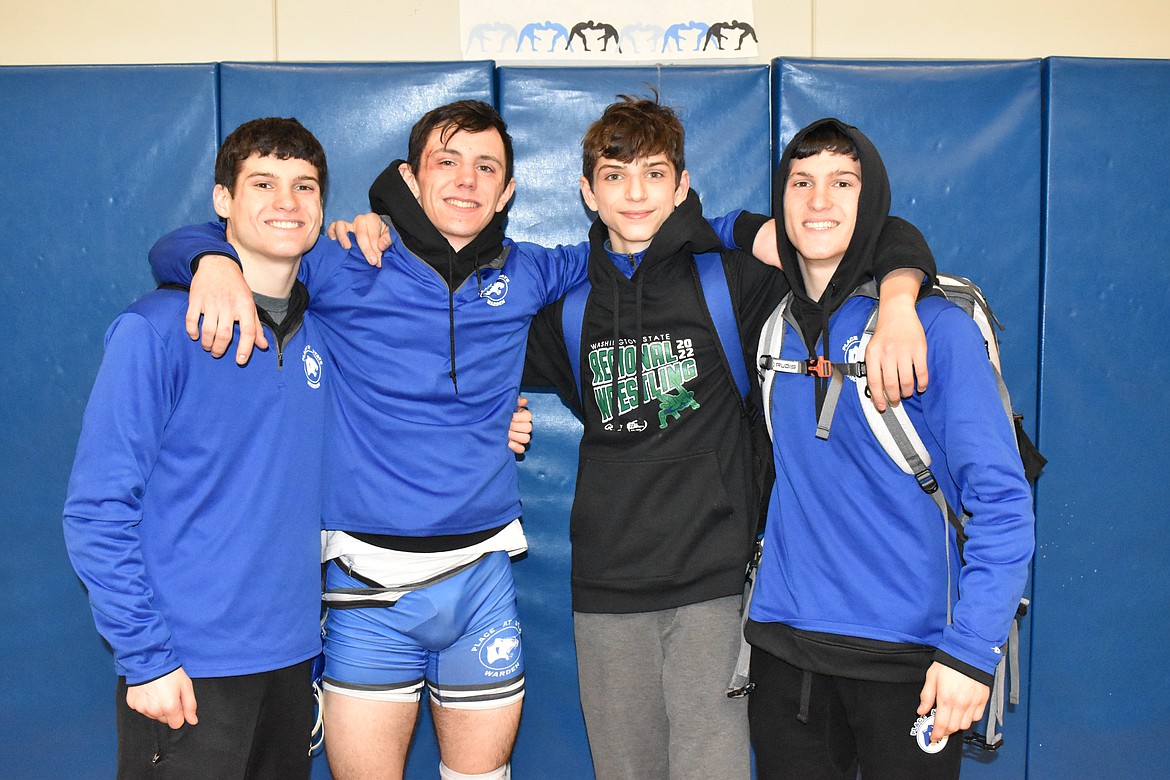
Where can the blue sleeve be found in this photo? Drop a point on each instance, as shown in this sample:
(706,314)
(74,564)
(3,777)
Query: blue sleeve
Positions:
(562,267)
(175,256)
(967,419)
(724,227)
(120,439)
(172,258)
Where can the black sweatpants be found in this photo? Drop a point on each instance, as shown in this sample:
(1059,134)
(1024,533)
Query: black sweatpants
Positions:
(254,726)
(851,723)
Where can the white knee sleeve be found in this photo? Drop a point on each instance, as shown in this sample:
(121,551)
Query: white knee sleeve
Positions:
(501,773)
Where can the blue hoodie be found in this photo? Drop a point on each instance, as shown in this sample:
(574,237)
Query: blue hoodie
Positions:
(193,510)
(854,580)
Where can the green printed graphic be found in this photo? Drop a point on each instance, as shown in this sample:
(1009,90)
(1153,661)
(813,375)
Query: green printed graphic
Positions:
(665,372)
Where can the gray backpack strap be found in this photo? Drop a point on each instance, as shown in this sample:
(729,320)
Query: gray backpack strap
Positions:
(836,372)
(769,363)
(900,439)
(768,350)
(995,706)
(740,684)
(833,394)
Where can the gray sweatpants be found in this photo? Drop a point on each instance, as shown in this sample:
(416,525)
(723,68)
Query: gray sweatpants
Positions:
(653,690)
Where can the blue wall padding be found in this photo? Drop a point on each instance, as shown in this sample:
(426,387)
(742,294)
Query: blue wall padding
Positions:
(961,143)
(361,112)
(98,162)
(1100,681)
(102,160)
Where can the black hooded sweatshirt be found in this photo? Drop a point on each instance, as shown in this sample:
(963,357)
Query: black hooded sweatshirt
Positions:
(666,509)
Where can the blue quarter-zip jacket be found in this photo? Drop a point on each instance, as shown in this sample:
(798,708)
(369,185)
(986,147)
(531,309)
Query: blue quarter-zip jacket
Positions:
(193,510)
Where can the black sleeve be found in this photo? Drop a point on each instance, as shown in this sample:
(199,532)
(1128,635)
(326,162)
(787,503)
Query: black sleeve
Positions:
(746,226)
(546,362)
(901,246)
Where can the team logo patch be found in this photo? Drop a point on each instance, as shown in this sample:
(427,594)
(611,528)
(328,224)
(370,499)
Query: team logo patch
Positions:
(921,731)
(499,649)
(496,292)
(313,366)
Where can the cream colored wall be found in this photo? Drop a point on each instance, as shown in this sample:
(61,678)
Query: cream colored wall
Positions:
(144,31)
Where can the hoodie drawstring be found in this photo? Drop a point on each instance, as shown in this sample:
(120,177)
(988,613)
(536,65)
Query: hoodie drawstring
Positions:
(638,338)
(451,315)
(617,358)
(617,348)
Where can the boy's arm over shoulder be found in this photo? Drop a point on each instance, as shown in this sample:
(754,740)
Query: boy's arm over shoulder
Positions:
(546,362)
(200,256)
(896,356)
(901,245)
(755,234)
(120,440)
(561,267)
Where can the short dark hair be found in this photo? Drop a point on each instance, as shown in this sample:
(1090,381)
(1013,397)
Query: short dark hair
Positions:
(827,138)
(269,137)
(470,116)
(634,128)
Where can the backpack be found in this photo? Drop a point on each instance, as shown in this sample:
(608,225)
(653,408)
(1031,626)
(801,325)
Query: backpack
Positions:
(896,433)
(716,296)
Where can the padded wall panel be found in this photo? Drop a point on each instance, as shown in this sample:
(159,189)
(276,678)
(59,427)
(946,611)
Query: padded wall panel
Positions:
(961,142)
(360,112)
(548,111)
(1100,689)
(101,161)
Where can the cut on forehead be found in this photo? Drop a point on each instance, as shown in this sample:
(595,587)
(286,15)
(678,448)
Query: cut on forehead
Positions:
(472,116)
(486,144)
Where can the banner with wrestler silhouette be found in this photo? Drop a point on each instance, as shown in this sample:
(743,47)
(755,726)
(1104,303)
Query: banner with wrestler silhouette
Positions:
(606,30)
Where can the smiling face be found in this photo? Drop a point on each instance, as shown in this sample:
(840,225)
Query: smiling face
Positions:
(273,211)
(460,182)
(633,199)
(820,207)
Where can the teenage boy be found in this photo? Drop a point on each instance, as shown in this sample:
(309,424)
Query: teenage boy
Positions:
(666,506)
(875,639)
(198,539)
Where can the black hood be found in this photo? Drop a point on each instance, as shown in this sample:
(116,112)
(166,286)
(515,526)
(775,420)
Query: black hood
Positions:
(872,209)
(856,265)
(684,230)
(390,197)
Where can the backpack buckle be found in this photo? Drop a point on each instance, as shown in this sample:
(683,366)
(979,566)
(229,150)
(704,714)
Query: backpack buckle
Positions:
(975,739)
(819,366)
(926,481)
